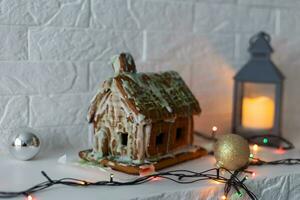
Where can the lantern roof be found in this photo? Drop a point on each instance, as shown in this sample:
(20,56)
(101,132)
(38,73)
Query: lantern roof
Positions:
(260,67)
(260,44)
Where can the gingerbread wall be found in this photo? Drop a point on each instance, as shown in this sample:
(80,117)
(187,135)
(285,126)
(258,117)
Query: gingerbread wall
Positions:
(167,136)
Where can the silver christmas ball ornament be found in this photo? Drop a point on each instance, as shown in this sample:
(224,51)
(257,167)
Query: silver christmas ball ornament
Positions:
(24,144)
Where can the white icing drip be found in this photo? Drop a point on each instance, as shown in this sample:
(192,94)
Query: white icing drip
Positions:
(127,87)
(112,138)
(140,118)
(140,142)
(116,64)
(105,86)
(92,104)
(91,134)
(130,141)
(119,145)
(126,110)
(129,59)
(103,104)
(100,138)
(147,135)
(169,109)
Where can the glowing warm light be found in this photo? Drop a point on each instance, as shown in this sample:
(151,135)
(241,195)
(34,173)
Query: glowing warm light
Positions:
(253,174)
(111,177)
(255,147)
(216,182)
(146,170)
(29,197)
(82,182)
(214,128)
(258,113)
(280,151)
(251,155)
(156,178)
(223,197)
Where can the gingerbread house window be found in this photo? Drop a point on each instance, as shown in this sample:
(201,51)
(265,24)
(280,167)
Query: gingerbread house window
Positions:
(124,138)
(160,139)
(179,134)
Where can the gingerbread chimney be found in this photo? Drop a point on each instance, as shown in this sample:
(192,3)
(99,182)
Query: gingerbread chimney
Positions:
(123,63)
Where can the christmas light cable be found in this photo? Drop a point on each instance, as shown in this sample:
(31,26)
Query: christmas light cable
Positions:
(236,181)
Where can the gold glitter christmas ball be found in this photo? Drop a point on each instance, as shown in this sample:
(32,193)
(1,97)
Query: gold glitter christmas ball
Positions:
(231,152)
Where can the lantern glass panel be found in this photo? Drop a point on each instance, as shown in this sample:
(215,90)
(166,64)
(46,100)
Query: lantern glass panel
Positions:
(258,106)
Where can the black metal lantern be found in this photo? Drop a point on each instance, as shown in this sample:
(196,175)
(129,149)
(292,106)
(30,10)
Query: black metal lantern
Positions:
(258,90)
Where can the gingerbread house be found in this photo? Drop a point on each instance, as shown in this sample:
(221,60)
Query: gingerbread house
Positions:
(139,118)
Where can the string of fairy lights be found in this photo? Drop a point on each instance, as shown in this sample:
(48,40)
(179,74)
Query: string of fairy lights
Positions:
(234,181)
(265,139)
(178,176)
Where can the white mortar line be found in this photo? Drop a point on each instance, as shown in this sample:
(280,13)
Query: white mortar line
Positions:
(144,56)
(277,22)
(237,40)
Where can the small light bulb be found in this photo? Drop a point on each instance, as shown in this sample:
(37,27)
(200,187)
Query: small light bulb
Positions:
(255,147)
(156,178)
(111,177)
(223,197)
(245,178)
(82,182)
(239,194)
(280,150)
(265,140)
(253,174)
(214,128)
(251,155)
(29,197)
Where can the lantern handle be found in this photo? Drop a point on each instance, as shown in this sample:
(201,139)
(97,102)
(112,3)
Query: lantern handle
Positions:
(265,35)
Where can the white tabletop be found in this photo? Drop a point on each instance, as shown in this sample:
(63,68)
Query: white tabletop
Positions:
(269,180)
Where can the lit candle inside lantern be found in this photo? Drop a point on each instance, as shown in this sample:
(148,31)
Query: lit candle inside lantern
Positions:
(258,112)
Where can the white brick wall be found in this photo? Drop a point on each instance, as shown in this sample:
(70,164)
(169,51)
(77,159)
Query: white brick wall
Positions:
(54,54)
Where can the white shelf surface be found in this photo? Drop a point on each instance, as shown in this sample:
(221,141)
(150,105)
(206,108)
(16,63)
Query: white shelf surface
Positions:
(269,181)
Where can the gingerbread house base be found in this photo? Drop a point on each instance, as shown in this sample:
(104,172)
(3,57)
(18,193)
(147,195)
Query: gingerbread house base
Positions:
(136,169)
